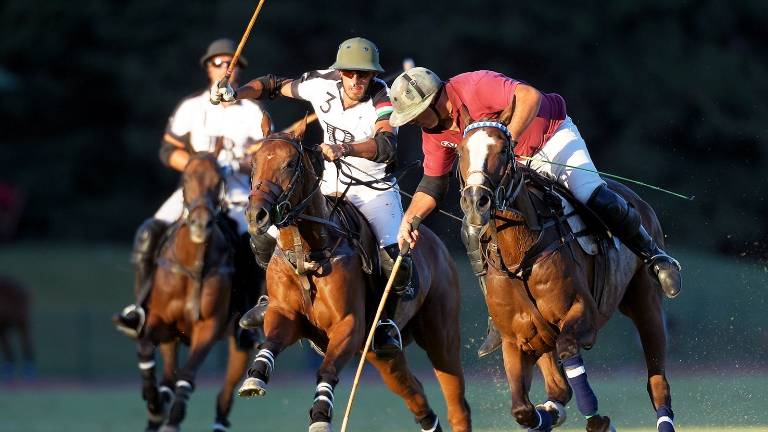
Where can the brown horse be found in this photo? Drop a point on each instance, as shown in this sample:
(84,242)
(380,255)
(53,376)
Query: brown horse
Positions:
(190,302)
(318,290)
(544,292)
(14,315)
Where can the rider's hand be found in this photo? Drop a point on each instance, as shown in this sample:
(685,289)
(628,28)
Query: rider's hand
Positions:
(332,152)
(221,92)
(407,234)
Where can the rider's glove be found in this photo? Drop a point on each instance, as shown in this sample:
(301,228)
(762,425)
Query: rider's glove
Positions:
(222,92)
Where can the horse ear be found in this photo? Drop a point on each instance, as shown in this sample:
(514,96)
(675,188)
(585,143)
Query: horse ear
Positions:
(300,128)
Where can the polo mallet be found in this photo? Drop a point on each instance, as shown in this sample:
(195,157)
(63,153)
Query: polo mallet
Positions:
(236,57)
(414,225)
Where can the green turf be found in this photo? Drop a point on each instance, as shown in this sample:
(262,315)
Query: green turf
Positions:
(701,403)
(717,331)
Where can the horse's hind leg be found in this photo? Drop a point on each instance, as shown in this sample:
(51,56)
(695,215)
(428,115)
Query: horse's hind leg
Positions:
(237,362)
(442,342)
(403,383)
(642,304)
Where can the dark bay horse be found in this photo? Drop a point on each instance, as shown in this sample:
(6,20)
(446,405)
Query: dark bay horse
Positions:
(190,302)
(319,290)
(544,292)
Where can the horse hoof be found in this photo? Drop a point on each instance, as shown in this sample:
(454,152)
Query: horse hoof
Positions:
(600,424)
(169,428)
(252,387)
(320,427)
(556,410)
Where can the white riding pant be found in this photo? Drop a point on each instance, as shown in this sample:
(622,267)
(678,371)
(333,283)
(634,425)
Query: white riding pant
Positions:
(567,147)
(382,209)
(237,190)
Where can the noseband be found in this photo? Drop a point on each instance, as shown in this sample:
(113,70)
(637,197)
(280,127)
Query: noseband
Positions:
(496,190)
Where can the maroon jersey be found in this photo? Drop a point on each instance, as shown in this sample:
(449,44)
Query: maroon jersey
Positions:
(485,94)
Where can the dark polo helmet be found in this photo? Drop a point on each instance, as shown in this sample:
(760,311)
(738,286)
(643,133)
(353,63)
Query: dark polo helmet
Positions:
(222,47)
(357,54)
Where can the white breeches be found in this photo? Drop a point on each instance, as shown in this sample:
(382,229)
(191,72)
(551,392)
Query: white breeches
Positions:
(383,209)
(238,188)
(567,147)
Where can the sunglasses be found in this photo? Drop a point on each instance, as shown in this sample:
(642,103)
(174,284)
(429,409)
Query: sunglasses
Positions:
(218,62)
(360,74)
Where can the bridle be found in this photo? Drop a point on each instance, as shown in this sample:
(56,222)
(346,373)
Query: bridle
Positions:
(497,190)
(204,201)
(282,211)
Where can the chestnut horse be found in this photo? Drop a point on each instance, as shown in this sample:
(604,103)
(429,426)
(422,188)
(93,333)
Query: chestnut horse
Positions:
(544,292)
(318,290)
(190,302)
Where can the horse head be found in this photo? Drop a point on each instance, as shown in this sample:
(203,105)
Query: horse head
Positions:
(486,162)
(203,187)
(282,173)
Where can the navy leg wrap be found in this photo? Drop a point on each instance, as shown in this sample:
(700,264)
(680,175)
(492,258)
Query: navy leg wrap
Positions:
(586,400)
(545,420)
(322,408)
(664,417)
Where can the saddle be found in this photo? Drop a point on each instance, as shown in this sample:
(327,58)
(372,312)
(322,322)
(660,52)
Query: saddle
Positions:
(544,204)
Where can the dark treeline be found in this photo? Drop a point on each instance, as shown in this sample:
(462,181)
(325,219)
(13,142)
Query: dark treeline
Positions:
(669,92)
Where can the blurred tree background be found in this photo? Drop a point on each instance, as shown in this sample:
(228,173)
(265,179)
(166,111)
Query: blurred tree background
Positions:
(668,92)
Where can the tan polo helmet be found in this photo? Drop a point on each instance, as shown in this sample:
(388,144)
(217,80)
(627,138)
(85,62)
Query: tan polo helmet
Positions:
(357,54)
(411,93)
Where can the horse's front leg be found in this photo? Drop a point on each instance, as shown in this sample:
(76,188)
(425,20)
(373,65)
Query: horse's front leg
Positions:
(344,339)
(556,385)
(577,327)
(204,336)
(282,329)
(519,368)
(149,390)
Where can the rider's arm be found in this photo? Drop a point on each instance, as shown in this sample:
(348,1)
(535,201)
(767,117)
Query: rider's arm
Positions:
(422,205)
(523,107)
(174,151)
(266,87)
(381,148)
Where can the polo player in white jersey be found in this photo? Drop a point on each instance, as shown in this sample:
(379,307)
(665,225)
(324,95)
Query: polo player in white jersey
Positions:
(353,108)
(226,129)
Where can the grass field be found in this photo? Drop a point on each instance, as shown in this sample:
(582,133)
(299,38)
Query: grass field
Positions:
(713,403)
(88,379)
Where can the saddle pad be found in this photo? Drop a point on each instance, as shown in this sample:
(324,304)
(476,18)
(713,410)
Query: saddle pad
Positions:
(588,243)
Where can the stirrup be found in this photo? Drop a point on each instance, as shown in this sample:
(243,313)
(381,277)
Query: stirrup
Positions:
(398,339)
(122,326)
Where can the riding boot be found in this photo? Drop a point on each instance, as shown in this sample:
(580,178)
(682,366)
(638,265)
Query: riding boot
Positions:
(263,246)
(387,341)
(470,236)
(625,223)
(402,283)
(148,237)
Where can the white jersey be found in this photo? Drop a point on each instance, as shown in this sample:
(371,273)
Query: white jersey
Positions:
(323,89)
(201,125)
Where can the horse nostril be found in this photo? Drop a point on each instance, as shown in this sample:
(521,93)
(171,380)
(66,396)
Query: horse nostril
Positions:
(483,202)
(262,216)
